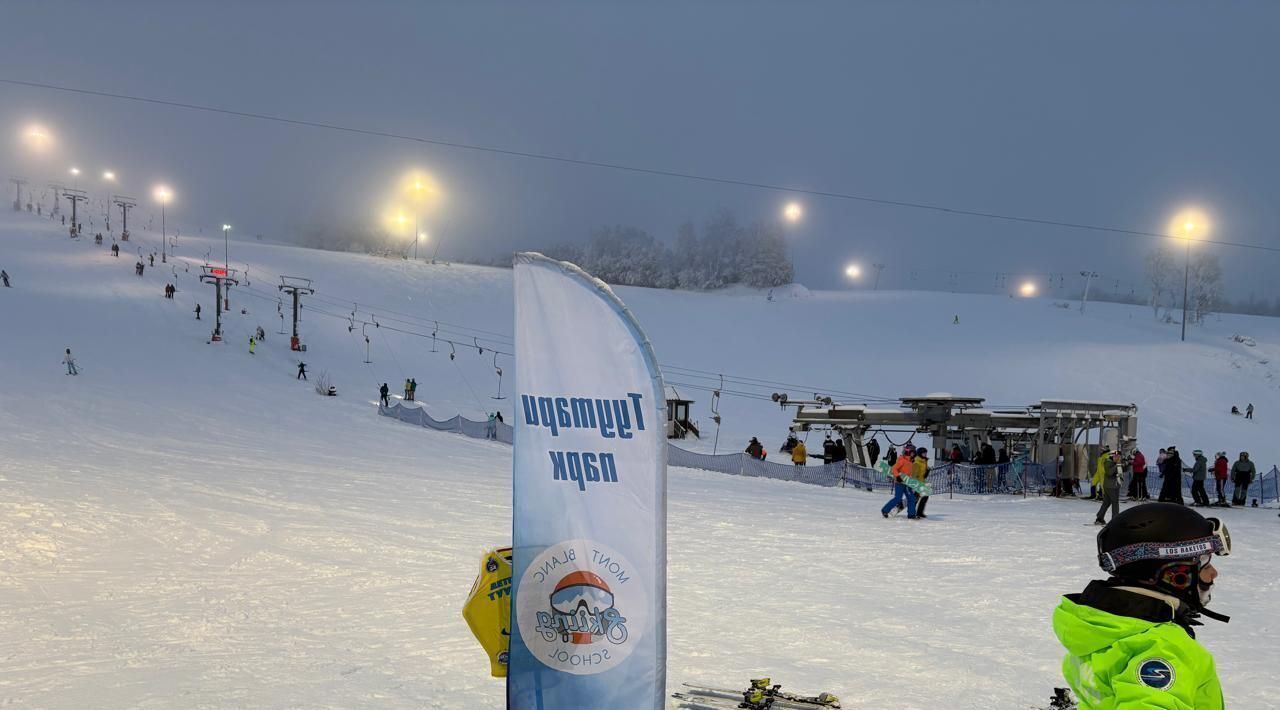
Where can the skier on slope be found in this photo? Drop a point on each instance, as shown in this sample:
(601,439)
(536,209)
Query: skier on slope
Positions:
(901,468)
(873,451)
(1109,485)
(1248,411)
(302,371)
(252,343)
(70,362)
(1220,468)
(1199,472)
(1129,639)
(1138,474)
(798,454)
(920,472)
(1242,473)
(4,276)
(384,394)
(197,311)
(1171,471)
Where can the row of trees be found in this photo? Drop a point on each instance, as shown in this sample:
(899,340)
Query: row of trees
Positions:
(722,253)
(1165,273)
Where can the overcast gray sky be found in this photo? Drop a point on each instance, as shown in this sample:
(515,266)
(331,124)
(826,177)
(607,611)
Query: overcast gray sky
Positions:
(1114,113)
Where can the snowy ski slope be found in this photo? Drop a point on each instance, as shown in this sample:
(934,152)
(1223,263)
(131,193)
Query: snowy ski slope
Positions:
(186,525)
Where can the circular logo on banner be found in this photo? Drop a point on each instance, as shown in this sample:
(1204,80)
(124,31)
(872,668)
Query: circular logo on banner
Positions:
(581,608)
(1156,673)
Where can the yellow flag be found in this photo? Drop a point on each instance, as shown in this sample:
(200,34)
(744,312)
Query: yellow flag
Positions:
(488,608)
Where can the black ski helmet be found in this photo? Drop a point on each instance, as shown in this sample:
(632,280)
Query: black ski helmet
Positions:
(1163,546)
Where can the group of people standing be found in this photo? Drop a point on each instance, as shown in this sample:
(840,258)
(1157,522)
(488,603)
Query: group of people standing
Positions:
(169,290)
(1170,466)
(912,463)
(410,389)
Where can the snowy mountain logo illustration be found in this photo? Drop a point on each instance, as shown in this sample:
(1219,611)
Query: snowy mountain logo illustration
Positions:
(580,607)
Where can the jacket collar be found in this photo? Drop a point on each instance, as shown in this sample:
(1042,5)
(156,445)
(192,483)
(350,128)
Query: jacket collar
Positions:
(1116,597)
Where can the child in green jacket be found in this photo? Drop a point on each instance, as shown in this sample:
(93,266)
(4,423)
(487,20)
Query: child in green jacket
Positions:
(1129,639)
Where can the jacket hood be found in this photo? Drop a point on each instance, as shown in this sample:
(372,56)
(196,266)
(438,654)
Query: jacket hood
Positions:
(1084,629)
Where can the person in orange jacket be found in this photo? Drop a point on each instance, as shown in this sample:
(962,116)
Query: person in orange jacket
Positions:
(902,468)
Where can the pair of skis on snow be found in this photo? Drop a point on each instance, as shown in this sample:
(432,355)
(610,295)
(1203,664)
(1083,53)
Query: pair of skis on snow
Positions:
(761,695)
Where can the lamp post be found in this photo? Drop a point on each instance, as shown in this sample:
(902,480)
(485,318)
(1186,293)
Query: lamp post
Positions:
(162,195)
(1187,227)
(226,264)
(793,212)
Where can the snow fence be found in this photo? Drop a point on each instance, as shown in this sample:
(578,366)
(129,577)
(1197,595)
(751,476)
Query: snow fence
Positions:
(1016,478)
(459,424)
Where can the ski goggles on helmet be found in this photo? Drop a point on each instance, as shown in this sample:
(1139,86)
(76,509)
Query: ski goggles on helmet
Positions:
(570,599)
(1200,549)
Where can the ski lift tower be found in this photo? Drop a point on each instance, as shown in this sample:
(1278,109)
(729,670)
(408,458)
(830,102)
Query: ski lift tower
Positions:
(76,197)
(17,201)
(125,204)
(296,286)
(220,277)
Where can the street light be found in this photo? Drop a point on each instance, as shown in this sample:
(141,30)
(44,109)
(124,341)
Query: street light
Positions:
(163,195)
(1190,224)
(226,264)
(37,138)
(853,271)
(1027,289)
(108,176)
(75,174)
(793,212)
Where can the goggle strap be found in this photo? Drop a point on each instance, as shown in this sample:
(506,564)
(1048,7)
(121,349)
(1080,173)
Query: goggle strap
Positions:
(1111,561)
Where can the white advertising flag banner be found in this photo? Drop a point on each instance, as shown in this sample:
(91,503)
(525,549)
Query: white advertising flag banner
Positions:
(589,499)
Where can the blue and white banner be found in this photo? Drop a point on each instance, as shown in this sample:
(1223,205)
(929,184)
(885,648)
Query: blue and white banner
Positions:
(590,499)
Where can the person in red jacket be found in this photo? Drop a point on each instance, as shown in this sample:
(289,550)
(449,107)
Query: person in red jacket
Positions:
(1221,468)
(1138,477)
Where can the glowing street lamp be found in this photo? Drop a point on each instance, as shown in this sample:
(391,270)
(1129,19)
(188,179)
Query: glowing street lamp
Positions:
(793,212)
(1189,224)
(163,194)
(108,175)
(853,271)
(1027,289)
(37,138)
(75,174)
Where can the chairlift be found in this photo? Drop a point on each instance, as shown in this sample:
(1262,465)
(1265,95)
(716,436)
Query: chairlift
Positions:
(452,352)
(365,333)
(478,346)
(499,371)
(433,336)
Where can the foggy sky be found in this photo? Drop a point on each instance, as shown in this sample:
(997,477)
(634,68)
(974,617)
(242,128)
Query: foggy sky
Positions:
(1097,112)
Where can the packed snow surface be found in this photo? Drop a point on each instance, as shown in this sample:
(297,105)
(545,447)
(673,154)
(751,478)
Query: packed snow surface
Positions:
(187,525)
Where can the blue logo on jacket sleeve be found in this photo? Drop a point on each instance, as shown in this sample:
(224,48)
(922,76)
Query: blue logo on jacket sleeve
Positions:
(1156,673)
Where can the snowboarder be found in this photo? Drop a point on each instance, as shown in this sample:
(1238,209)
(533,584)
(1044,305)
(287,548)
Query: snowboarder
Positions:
(1248,411)
(406,390)
(1199,471)
(384,394)
(1109,463)
(789,444)
(799,454)
(901,469)
(413,389)
(70,362)
(920,472)
(1171,473)
(252,343)
(491,428)
(1129,639)
(873,451)
(1220,469)
(197,311)
(302,371)
(755,449)
(4,276)
(1242,473)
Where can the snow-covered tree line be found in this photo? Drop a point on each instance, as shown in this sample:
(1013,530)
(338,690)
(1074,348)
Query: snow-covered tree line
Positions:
(722,253)
(1165,274)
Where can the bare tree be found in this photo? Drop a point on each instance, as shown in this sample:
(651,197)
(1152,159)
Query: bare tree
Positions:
(1206,287)
(1161,275)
